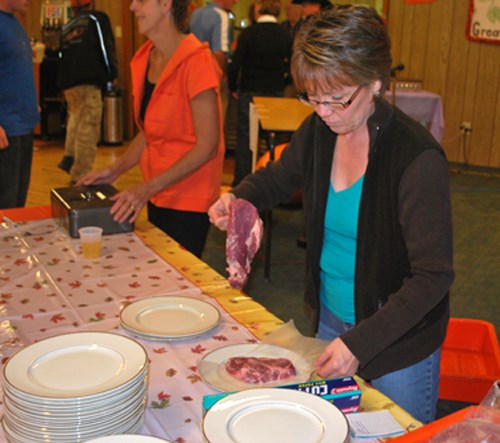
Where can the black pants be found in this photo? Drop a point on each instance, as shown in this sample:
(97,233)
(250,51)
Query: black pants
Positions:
(190,229)
(15,171)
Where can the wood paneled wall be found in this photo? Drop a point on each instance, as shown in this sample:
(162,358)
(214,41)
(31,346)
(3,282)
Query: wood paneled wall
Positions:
(429,39)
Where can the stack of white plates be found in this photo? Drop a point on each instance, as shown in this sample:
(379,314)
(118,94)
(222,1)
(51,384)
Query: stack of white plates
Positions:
(75,387)
(169,317)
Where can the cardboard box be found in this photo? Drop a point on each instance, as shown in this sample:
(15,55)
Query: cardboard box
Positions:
(343,392)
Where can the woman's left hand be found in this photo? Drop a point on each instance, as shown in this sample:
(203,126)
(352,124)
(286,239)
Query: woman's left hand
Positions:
(336,361)
(128,203)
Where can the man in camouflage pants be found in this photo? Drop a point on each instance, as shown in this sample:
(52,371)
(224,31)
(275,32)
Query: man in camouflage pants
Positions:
(83,128)
(87,66)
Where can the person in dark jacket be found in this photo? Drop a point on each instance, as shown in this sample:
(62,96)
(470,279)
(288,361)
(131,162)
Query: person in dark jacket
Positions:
(377,209)
(293,13)
(258,67)
(88,66)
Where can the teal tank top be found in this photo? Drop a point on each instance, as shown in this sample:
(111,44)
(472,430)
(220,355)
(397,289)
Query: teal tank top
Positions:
(338,255)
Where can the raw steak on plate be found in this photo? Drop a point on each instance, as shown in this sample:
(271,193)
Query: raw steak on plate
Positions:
(258,370)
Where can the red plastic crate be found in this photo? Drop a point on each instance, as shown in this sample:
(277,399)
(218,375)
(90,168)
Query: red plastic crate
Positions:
(425,433)
(470,360)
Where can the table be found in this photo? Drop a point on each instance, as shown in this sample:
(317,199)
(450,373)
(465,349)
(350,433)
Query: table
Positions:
(281,114)
(423,106)
(47,289)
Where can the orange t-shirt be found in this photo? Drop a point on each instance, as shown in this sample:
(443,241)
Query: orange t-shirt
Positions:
(168,124)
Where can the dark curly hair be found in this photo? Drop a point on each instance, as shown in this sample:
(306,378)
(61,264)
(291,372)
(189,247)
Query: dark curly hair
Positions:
(180,14)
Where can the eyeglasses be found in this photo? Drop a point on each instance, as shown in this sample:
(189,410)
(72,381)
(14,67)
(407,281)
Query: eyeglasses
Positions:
(302,96)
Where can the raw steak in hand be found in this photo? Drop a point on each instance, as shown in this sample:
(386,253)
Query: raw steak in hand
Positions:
(256,370)
(244,235)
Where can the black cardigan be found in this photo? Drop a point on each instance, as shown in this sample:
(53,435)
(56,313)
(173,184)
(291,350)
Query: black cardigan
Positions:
(404,249)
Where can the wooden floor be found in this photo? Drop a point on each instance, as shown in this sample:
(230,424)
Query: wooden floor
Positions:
(45,174)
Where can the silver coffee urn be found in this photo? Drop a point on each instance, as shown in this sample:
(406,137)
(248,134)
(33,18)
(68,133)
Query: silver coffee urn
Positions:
(112,116)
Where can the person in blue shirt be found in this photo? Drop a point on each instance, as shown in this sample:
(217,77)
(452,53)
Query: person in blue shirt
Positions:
(211,24)
(18,106)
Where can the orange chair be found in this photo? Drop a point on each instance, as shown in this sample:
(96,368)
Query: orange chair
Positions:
(264,160)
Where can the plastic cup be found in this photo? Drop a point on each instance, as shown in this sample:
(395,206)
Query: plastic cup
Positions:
(90,238)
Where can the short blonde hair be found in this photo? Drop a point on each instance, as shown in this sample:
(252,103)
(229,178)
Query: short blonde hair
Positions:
(345,45)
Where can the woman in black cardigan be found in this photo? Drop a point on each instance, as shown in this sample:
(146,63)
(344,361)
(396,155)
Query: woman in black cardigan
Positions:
(377,210)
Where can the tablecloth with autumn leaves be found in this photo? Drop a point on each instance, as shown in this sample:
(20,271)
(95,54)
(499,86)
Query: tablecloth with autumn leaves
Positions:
(47,288)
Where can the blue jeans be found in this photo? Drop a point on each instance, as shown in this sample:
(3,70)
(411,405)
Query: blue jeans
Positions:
(414,388)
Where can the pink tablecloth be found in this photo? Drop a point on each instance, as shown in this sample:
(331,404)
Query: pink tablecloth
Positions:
(47,288)
(423,106)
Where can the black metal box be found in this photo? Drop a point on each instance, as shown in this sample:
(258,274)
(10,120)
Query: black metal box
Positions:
(80,206)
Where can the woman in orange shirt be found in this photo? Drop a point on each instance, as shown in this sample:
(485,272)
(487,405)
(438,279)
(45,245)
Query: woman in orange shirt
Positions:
(178,111)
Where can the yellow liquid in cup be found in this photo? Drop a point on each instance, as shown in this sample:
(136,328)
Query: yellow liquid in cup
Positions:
(91,250)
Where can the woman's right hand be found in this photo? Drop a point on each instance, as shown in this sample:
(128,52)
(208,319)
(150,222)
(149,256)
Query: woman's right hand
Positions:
(219,211)
(102,176)
(127,160)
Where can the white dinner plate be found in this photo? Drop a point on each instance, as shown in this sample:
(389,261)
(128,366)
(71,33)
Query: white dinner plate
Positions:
(212,366)
(75,365)
(169,317)
(274,416)
(91,401)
